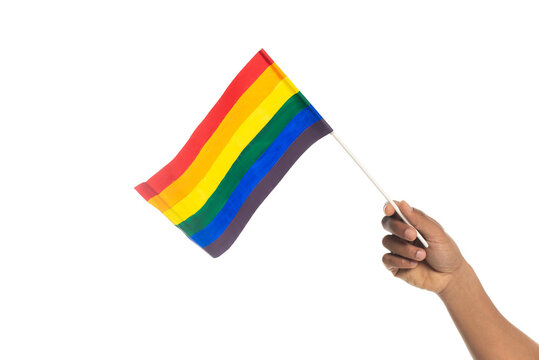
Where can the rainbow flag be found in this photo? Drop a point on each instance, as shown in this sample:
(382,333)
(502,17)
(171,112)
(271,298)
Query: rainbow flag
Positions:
(254,134)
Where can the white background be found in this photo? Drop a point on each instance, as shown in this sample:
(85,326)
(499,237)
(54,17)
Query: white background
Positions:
(438,99)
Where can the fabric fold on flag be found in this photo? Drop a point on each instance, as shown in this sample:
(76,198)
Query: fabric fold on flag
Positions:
(257,130)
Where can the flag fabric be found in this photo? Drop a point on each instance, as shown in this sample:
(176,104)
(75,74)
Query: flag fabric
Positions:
(245,145)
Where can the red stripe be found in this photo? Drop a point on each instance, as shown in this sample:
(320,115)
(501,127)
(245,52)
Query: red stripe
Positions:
(174,169)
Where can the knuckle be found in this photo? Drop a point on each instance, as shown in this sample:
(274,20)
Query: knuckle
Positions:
(411,251)
(403,262)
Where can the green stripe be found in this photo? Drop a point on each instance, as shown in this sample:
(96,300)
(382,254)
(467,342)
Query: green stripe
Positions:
(245,160)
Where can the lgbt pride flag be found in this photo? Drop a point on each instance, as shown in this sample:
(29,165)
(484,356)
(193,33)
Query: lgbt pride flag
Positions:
(254,134)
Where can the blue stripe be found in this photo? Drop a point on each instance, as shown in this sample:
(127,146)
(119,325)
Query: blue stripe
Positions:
(260,168)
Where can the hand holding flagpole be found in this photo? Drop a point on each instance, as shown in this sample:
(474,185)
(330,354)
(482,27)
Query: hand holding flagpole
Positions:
(397,210)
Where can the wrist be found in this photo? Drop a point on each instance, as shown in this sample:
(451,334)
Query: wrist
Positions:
(462,278)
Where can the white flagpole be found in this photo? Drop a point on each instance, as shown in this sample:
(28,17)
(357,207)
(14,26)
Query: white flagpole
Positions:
(397,210)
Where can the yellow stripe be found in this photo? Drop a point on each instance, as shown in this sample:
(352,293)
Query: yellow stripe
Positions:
(245,105)
(245,134)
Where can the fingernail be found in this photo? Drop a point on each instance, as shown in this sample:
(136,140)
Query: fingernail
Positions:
(409,234)
(420,254)
(385,206)
(413,263)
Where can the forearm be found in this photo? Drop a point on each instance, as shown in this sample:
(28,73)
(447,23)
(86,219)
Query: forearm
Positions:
(485,331)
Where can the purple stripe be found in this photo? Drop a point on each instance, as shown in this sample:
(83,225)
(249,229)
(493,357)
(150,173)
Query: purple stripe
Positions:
(266,185)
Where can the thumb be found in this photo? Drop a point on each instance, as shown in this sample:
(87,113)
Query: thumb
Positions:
(427,226)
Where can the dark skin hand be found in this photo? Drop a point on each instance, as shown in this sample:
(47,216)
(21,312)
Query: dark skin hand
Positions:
(408,260)
(442,269)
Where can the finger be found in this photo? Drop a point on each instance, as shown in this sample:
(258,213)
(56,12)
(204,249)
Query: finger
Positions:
(423,223)
(399,228)
(402,248)
(395,262)
(388,209)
